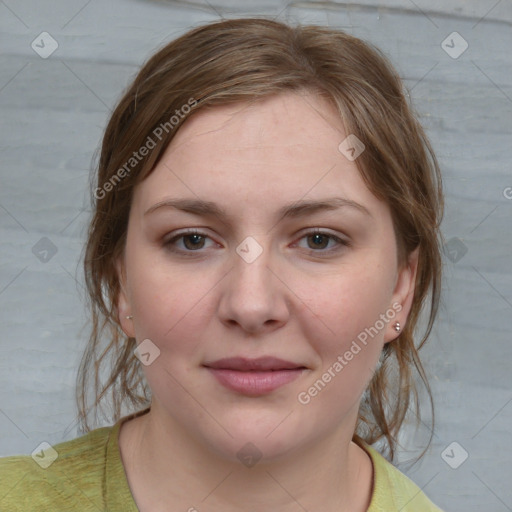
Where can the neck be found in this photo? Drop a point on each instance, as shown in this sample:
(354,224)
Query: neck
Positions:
(166,466)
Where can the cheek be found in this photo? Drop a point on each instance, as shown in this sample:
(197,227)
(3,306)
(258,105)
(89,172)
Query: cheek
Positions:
(341,306)
(342,324)
(172,311)
(169,307)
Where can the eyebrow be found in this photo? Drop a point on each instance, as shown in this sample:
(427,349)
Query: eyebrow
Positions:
(293,210)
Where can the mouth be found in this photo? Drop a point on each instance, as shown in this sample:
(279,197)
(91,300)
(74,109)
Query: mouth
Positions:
(254,377)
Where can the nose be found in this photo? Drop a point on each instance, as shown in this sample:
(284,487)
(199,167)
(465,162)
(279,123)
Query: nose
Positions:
(254,298)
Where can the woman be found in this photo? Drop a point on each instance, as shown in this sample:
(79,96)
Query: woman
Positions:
(264,238)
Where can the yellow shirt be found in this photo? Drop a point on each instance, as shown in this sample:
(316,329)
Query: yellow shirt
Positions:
(88,476)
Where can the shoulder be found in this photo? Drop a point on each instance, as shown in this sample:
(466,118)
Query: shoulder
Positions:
(394,491)
(66,476)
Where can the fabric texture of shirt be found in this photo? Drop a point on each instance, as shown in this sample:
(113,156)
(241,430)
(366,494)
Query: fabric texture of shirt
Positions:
(88,476)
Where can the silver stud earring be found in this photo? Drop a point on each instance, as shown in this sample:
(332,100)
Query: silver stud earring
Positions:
(129,317)
(397,326)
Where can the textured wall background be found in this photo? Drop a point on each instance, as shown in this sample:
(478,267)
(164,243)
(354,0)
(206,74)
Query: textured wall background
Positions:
(55,108)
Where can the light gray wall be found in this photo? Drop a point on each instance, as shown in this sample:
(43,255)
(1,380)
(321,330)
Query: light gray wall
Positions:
(53,112)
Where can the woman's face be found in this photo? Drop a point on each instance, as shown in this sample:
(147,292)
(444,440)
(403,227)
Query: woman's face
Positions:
(256,237)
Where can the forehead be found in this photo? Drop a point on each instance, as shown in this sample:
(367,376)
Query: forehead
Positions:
(298,121)
(259,155)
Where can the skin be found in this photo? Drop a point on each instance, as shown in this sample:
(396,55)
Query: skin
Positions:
(303,299)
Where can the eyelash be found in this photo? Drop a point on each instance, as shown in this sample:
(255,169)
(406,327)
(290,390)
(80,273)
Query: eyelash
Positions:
(170,244)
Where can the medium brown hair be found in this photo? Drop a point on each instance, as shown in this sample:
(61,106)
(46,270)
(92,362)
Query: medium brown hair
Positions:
(243,60)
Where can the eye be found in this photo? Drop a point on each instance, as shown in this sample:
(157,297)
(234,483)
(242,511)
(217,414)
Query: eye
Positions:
(191,241)
(318,241)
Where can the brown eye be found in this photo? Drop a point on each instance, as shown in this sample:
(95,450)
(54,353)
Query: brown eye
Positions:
(187,242)
(322,243)
(193,242)
(318,241)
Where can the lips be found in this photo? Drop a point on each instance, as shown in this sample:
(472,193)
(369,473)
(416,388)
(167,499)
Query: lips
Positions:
(242,364)
(254,377)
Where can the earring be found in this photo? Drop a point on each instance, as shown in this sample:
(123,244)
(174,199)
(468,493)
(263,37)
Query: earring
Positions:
(129,317)
(397,326)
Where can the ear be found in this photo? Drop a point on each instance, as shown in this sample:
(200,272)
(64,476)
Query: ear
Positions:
(403,295)
(123,300)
